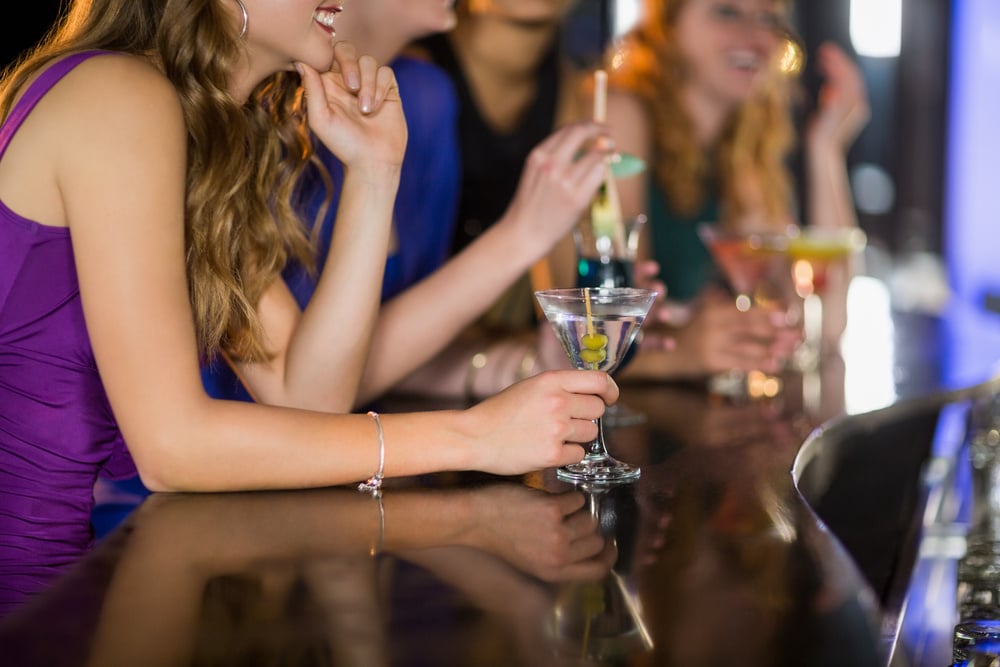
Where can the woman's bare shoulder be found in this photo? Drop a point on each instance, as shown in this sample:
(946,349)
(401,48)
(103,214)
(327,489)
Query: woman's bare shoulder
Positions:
(110,101)
(117,83)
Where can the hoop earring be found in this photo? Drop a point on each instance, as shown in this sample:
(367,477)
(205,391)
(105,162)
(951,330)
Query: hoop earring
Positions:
(246,19)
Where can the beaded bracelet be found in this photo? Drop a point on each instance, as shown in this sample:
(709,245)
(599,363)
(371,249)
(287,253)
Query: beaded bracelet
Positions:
(374,483)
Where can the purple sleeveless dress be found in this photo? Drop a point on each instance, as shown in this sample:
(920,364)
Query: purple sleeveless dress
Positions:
(57,432)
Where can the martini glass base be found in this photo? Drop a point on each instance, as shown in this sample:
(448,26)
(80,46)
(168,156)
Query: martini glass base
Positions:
(599,471)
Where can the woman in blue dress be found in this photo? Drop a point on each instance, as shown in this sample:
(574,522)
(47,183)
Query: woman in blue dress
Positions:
(432,291)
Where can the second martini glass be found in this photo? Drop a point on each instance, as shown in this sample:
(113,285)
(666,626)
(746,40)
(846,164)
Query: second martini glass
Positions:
(756,266)
(814,252)
(596,327)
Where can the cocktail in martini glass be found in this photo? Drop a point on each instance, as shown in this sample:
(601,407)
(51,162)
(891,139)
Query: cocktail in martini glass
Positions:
(756,266)
(596,327)
(821,249)
(814,252)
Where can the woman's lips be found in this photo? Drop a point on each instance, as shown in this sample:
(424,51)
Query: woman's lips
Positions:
(325,16)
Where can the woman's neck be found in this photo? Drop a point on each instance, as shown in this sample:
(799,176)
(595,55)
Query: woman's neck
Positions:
(379,42)
(708,115)
(507,48)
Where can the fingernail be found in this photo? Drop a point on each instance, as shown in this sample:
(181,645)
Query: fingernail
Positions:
(353,82)
(366,103)
(298,68)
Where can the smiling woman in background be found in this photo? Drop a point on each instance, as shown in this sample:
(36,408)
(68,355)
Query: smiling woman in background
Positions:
(703,90)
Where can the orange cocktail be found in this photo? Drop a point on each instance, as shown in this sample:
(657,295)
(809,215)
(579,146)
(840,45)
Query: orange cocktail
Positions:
(813,251)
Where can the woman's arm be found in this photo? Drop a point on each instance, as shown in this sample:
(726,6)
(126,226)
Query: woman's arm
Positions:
(419,323)
(321,354)
(842,113)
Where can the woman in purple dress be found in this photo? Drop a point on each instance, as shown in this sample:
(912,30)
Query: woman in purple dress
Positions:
(149,154)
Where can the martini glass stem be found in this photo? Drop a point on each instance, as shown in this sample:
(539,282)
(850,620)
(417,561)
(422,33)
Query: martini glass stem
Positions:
(598,449)
(598,466)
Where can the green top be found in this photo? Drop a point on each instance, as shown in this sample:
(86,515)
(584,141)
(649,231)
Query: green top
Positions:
(685,263)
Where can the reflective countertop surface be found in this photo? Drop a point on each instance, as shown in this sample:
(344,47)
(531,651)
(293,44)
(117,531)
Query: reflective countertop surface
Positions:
(775,532)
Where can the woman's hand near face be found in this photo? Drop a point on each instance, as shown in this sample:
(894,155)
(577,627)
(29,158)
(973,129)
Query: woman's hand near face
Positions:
(355,110)
(842,110)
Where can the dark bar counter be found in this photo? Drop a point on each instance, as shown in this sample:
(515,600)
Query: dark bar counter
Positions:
(787,531)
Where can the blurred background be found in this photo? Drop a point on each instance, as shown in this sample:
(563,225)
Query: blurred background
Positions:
(922,173)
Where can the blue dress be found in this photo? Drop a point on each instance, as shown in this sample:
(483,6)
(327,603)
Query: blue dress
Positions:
(425,204)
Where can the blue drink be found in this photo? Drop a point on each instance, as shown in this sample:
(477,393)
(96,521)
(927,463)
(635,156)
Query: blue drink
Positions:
(607,272)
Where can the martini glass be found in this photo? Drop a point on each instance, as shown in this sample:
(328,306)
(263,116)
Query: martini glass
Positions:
(596,327)
(605,259)
(756,266)
(813,252)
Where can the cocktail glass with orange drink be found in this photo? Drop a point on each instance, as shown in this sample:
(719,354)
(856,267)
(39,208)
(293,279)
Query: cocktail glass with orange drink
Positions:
(814,254)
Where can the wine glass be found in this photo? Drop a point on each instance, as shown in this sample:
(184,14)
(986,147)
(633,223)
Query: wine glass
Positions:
(756,266)
(596,327)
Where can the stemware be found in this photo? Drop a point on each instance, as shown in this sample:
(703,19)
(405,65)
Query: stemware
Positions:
(596,327)
(602,620)
(756,266)
(606,258)
(813,252)
(603,259)
(599,622)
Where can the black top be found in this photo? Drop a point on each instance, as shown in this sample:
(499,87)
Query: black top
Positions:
(492,160)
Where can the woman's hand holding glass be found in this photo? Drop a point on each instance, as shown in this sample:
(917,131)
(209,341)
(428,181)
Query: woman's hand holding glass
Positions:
(656,333)
(721,337)
(542,422)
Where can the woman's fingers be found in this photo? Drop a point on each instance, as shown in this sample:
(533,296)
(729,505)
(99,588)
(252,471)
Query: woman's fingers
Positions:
(597,383)
(345,61)
(386,87)
(566,143)
(362,75)
(315,95)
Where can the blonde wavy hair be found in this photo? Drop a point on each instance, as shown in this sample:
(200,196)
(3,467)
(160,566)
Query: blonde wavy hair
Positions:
(748,163)
(244,160)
